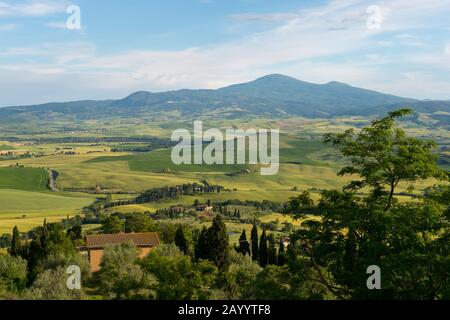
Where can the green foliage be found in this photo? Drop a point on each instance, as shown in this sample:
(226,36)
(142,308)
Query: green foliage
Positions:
(408,241)
(263,251)
(167,232)
(51,285)
(50,240)
(202,246)
(300,205)
(254,240)
(279,283)
(244,245)
(383,156)
(112,225)
(13,273)
(168,250)
(120,277)
(213,244)
(281,253)
(179,278)
(74,233)
(181,241)
(139,222)
(241,276)
(272,251)
(16,246)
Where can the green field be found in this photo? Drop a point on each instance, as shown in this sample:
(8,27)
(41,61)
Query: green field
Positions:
(160,161)
(26,202)
(29,179)
(27,209)
(6,147)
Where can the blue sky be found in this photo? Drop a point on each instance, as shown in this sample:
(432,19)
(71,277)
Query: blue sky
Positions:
(397,46)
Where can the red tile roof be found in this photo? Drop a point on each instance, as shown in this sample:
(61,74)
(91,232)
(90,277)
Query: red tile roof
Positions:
(99,241)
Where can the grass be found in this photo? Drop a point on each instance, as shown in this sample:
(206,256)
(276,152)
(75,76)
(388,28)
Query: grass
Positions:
(6,148)
(29,179)
(160,161)
(28,209)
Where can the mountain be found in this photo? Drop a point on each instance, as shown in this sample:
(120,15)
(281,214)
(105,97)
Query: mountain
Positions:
(269,96)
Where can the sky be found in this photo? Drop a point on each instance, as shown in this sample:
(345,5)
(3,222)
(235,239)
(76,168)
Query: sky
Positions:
(400,47)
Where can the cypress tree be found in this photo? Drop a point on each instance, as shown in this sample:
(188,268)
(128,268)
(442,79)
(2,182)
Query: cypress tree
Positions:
(202,247)
(254,239)
(244,245)
(262,254)
(281,253)
(272,251)
(180,240)
(218,243)
(16,246)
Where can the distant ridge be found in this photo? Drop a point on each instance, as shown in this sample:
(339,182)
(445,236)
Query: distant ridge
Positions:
(273,95)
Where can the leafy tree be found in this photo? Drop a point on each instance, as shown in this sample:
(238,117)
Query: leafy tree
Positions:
(16,246)
(74,233)
(139,222)
(302,201)
(51,285)
(5,240)
(263,254)
(112,225)
(254,240)
(167,231)
(181,241)
(244,246)
(121,277)
(178,277)
(383,156)
(13,273)
(408,241)
(48,240)
(272,283)
(278,283)
(241,276)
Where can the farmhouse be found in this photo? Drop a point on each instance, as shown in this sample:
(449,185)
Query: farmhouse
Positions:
(95,244)
(204,208)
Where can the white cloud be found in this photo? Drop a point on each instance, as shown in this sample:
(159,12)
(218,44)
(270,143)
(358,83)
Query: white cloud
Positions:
(447,49)
(56,25)
(270,17)
(304,44)
(32,8)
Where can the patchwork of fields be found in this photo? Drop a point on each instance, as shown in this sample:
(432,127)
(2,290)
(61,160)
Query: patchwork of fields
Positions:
(84,168)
